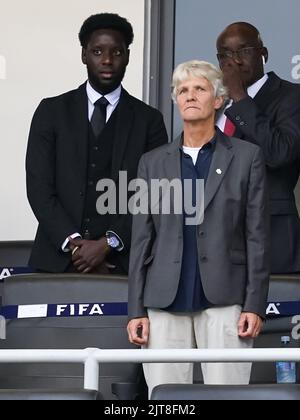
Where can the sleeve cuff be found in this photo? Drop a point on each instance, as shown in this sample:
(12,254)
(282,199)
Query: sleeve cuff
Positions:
(65,246)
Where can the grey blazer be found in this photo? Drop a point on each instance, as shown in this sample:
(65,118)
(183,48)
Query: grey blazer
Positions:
(233,240)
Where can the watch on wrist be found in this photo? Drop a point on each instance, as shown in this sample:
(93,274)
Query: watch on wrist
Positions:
(112,241)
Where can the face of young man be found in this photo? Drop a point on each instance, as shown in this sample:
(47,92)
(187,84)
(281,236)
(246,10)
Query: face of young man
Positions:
(106,57)
(196,100)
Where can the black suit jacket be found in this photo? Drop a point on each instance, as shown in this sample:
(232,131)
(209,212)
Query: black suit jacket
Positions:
(56,166)
(272,121)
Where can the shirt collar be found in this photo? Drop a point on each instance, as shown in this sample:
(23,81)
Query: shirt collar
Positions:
(210,145)
(252,90)
(112,97)
(255,88)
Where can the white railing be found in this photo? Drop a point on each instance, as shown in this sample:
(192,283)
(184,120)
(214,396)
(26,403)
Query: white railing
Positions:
(91,358)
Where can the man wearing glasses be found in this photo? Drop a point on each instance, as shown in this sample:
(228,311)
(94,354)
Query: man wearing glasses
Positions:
(265,110)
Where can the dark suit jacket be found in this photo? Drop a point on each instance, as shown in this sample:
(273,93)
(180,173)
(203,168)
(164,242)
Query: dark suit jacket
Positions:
(272,121)
(233,240)
(56,164)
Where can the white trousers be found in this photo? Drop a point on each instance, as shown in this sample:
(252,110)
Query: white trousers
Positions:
(214,328)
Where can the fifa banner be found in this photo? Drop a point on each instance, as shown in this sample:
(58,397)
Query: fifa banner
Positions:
(274,309)
(6,272)
(66,310)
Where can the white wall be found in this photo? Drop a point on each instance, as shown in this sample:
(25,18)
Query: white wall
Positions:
(40,57)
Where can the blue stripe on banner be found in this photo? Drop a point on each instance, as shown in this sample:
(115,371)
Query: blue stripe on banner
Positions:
(9,312)
(6,272)
(274,310)
(283,309)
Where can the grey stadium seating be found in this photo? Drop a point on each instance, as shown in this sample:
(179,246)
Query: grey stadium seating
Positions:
(14,256)
(219,393)
(52,395)
(282,289)
(66,333)
(101,332)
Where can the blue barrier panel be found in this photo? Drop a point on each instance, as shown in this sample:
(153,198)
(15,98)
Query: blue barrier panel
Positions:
(65,310)
(6,272)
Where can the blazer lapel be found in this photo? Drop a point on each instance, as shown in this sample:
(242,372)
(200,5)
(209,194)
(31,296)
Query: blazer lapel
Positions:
(172,167)
(172,170)
(124,124)
(79,131)
(221,161)
(264,96)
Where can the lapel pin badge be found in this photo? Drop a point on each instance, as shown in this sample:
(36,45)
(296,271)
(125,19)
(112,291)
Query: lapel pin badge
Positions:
(219,172)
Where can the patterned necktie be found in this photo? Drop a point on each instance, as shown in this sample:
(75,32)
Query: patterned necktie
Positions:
(230,128)
(98,120)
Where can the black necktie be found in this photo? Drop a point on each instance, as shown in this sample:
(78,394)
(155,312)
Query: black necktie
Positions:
(98,120)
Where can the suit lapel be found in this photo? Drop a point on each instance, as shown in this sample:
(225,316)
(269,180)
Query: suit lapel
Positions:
(79,127)
(123,127)
(172,166)
(221,161)
(172,170)
(264,96)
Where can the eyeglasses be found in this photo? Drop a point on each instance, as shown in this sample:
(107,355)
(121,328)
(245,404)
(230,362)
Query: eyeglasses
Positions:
(242,54)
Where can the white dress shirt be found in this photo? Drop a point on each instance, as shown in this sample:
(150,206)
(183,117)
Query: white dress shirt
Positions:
(193,152)
(112,97)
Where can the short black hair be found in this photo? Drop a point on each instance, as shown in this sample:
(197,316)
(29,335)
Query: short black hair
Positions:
(105,21)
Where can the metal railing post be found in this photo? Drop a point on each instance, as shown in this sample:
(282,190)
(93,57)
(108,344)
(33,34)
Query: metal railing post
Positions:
(91,371)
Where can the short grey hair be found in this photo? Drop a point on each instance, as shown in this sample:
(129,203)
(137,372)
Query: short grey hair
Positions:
(196,68)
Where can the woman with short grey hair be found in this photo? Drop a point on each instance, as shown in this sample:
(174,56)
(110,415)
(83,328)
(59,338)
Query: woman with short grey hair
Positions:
(202,284)
(196,68)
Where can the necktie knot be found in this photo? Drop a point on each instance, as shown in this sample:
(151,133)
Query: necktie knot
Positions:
(102,103)
(98,120)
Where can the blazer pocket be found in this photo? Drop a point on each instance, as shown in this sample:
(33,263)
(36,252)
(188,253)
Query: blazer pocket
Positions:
(238,257)
(149,260)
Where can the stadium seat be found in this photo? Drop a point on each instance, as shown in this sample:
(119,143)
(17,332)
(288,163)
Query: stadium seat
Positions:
(49,395)
(14,256)
(101,332)
(219,393)
(15,252)
(285,288)
(107,332)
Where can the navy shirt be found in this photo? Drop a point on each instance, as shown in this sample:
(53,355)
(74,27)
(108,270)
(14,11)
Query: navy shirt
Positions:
(190,295)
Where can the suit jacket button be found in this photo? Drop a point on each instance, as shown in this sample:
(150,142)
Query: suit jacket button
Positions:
(81,194)
(238,118)
(203,258)
(201,233)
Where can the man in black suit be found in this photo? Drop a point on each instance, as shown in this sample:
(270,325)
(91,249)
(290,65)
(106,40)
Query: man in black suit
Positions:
(79,138)
(265,110)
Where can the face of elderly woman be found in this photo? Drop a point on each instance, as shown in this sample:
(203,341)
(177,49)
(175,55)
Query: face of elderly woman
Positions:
(196,100)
